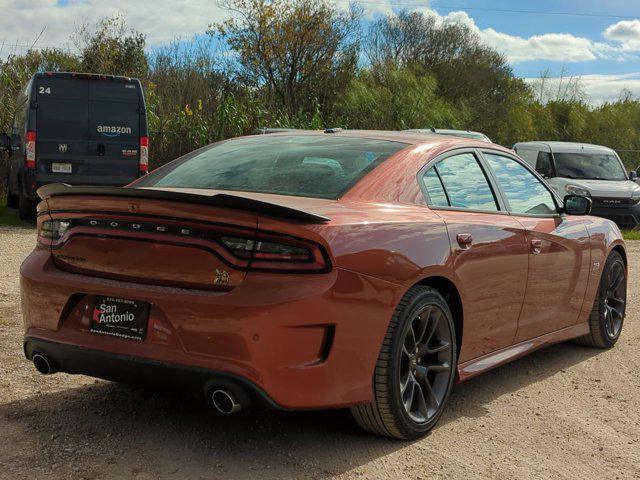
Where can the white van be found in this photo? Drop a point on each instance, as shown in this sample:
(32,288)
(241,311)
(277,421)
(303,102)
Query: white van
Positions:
(591,170)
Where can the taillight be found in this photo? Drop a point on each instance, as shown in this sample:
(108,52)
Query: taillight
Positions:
(273,254)
(30,150)
(53,229)
(144,154)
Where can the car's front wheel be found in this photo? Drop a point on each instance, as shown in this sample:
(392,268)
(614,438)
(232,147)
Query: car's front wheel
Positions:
(415,369)
(609,308)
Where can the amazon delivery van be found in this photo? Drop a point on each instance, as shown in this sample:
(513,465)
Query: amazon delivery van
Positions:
(75,128)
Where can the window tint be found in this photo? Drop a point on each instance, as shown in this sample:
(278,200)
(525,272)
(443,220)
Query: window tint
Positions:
(300,165)
(589,166)
(544,165)
(465,183)
(437,196)
(524,192)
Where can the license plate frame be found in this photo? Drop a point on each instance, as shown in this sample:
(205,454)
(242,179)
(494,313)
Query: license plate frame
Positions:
(61,168)
(120,317)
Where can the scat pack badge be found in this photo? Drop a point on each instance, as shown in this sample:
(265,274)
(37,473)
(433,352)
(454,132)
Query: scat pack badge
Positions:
(221,277)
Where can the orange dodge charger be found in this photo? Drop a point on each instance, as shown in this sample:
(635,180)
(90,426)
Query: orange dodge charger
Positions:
(311,270)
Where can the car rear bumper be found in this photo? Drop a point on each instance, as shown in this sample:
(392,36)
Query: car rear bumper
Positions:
(305,341)
(128,369)
(624,217)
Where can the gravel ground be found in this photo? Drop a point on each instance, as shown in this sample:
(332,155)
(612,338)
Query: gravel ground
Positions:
(563,412)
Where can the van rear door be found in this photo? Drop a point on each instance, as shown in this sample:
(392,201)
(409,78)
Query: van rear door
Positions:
(114,129)
(88,129)
(62,118)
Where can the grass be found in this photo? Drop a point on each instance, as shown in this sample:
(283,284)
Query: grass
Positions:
(631,234)
(9,217)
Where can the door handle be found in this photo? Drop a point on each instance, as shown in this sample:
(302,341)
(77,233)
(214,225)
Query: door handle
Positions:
(464,240)
(101,149)
(536,246)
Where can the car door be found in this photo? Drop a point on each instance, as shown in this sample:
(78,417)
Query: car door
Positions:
(559,249)
(489,253)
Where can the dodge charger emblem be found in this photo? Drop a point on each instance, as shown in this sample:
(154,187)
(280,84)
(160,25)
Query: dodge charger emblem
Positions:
(63,147)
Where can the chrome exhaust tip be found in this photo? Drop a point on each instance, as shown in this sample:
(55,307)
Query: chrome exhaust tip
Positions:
(42,364)
(225,402)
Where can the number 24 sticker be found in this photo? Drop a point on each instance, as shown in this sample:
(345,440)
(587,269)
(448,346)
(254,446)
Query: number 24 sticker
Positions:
(46,90)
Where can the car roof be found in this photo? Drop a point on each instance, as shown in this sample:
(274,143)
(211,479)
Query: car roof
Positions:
(449,131)
(568,147)
(408,137)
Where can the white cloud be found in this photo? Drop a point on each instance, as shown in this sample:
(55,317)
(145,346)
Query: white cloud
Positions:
(160,20)
(562,47)
(600,88)
(626,32)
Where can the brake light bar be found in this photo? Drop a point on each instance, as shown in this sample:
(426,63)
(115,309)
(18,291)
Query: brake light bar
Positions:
(275,253)
(144,155)
(30,150)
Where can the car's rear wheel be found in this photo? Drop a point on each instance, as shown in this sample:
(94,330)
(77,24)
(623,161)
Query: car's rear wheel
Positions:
(415,369)
(607,315)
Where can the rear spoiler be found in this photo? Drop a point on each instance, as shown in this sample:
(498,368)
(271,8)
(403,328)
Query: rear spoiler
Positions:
(218,200)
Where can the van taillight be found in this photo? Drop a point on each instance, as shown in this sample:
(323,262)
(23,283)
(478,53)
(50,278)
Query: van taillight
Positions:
(144,154)
(30,150)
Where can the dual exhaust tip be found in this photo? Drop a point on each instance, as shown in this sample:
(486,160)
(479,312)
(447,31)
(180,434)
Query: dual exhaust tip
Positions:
(222,400)
(225,401)
(42,364)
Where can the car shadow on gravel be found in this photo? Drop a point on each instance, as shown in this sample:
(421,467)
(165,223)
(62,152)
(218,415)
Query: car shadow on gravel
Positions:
(105,430)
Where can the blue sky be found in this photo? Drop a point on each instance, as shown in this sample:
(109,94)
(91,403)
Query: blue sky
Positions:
(600,42)
(527,25)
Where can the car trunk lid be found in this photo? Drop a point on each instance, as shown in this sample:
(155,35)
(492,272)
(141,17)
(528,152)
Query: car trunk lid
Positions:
(156,236)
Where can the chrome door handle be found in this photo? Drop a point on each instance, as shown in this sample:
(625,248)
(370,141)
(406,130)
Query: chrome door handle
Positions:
(464,240)
(536,246)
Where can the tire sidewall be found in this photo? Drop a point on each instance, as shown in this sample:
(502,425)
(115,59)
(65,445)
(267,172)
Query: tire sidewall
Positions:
(406,425)
(613,258)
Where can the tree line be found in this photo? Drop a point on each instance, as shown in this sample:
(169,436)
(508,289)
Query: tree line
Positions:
(309,64)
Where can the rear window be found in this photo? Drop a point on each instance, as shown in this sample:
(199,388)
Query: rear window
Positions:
(308,166)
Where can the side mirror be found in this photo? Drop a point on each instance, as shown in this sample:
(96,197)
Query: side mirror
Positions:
(633,175)
(5,141)
(577,205)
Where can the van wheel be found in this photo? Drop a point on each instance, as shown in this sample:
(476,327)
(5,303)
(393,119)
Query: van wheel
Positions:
(26,208)
(415,369)
(12,201)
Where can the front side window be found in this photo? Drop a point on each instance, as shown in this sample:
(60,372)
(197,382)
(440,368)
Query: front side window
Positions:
(589,166)
(525,193)
(459,182)
(299,165)
(544,165)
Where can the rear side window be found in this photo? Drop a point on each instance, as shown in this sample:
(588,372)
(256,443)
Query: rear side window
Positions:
(525,193)
(298,165)
(462,183)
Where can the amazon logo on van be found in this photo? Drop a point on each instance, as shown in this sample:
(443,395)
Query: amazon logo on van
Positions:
(113,131)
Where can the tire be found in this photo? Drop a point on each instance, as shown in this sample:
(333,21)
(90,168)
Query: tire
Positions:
(26,208)
(12,201)
(608,312)
(396,367)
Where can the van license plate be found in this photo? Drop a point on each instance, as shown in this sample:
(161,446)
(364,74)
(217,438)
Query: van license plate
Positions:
(61,168)
(120,317)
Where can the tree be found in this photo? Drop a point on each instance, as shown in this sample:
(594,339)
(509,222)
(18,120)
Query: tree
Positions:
(396,98)
(111,48)
(300,52)
(468,73)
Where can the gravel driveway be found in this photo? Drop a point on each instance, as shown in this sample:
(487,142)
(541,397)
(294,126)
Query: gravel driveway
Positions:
(563,412)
